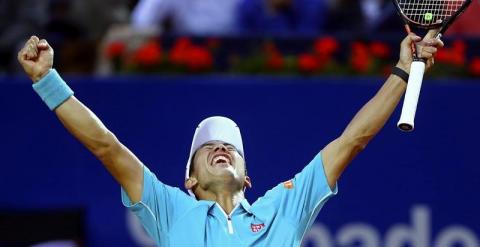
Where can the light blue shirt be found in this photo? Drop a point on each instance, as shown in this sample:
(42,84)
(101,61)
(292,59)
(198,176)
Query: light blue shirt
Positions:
(280,218)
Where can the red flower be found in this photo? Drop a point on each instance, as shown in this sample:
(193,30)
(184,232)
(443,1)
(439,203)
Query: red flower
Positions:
(459,46)
(195,58)
(359,48)
(275,61)
(475,66)
(450,56)
(454,55)
(443,55)
(326,46)
(308,63)
(199,58)
(270,48)
(458,52)
(458,59)
(115,49)
(380,49)
(149,53)
(179,52)
(361,59)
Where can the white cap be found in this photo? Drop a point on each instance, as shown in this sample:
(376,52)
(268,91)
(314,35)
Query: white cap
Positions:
(215,129)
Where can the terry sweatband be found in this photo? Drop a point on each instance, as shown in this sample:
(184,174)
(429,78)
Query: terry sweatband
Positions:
(400,73)
(52,89)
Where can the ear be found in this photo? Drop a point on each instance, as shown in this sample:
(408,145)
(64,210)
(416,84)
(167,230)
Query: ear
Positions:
(190,183)
(247,183)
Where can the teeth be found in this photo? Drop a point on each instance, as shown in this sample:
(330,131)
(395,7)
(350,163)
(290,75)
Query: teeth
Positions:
(221,157)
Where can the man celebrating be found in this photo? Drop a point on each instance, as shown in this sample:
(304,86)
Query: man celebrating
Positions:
(217,213)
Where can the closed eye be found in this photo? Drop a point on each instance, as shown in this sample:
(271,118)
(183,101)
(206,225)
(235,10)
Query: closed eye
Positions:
(230,147)
(209,146)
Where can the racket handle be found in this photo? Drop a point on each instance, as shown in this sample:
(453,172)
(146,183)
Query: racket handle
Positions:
(409,108)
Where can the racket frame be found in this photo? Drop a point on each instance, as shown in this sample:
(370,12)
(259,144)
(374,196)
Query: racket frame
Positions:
(442,25)
(406,122)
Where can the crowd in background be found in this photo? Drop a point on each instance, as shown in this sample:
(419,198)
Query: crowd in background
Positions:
(78,29)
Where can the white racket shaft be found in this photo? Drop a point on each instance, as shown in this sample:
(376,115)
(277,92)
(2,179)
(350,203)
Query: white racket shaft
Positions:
(412,94)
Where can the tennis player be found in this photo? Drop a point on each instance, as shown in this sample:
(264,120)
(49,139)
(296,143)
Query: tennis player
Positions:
(217,213)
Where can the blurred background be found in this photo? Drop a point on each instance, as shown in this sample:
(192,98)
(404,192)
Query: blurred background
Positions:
(291,73)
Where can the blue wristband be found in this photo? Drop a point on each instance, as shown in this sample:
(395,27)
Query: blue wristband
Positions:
(52,89)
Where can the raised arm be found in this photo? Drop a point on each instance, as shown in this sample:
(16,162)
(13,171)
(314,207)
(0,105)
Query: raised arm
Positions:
(36,57)
(373,115)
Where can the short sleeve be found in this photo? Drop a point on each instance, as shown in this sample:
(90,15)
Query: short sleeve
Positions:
(300,199)
(160,205)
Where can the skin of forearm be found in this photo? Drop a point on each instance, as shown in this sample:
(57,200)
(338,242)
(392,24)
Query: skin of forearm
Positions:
(85,126)
(373,115)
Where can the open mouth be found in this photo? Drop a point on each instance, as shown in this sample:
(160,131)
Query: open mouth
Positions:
(222,160)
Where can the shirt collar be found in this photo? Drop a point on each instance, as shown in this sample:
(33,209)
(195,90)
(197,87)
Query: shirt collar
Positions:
(243,204)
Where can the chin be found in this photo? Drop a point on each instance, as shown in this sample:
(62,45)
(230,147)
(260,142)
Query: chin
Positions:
(227,173)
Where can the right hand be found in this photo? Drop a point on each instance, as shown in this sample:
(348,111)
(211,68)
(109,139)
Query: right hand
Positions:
(36,58)
(426,48)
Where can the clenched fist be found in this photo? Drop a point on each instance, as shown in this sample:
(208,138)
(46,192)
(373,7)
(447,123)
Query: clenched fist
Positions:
(36,58)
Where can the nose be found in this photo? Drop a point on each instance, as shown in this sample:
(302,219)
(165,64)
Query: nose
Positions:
(220,147)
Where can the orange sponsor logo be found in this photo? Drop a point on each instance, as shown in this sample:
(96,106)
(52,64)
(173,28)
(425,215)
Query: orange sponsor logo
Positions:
(288,184)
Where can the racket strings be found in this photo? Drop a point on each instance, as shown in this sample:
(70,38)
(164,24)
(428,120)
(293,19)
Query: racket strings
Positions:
(429,12)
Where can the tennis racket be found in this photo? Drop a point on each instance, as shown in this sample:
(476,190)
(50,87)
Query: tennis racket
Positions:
(423,14)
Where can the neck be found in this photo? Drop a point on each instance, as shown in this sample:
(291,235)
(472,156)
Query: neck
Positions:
(226,199)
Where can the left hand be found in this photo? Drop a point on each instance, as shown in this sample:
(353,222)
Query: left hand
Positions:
(36,58)
(426,48)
